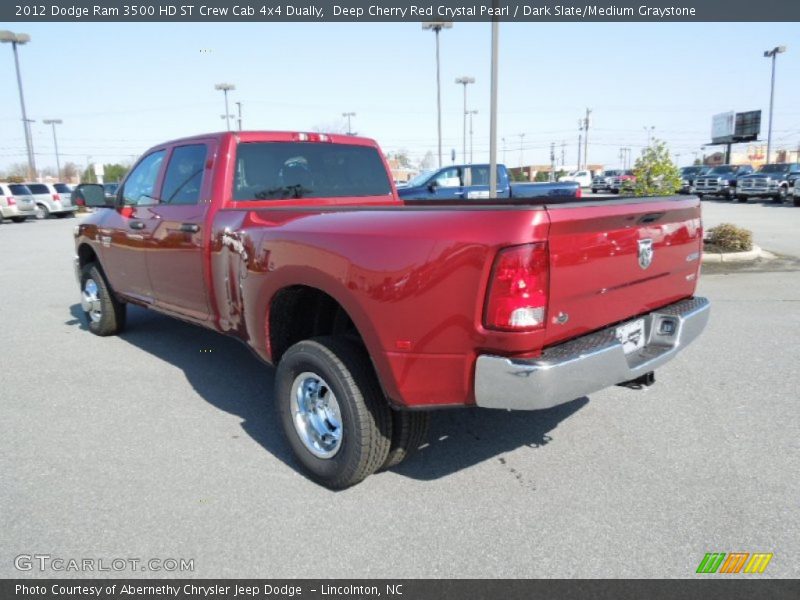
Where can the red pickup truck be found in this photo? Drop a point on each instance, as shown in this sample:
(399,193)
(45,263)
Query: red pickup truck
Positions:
(376,310)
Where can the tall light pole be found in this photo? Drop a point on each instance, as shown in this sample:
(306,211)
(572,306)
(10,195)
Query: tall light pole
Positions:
(16,39)
(239,112)
(586,139)
(471,112)
(348,116)
(436,27)
(493,110)
(55,122)
(773,54)
(580,142)
(465,81)
(226,87)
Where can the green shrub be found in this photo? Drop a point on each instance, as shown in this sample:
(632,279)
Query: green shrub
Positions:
(727,237)
(656,174)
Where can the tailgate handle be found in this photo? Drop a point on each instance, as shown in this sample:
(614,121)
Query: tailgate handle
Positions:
(650,218)
(190,228)
(136,225)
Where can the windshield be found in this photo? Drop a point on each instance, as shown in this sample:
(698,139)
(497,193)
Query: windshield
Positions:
(419,179)
(774,168)
(612,173)
(722,170)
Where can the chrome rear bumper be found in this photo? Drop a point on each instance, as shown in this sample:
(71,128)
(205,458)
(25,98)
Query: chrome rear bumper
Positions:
(587,364)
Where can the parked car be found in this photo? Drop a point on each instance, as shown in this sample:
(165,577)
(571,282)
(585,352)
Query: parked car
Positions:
(622,182)
(16,202)
(377,310)
(111,189)
(603,181)
(471,182)
(581,177)
(770,181)
(50,202)
(689,175)
(721,181)
(796,194)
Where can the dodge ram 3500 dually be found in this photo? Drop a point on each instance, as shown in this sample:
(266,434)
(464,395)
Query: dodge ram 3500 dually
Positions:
(377,310)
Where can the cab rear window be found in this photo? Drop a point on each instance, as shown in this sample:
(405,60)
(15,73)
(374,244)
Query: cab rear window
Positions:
(286,170)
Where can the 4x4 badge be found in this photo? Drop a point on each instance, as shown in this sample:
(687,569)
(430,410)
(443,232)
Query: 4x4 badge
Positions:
(645,253)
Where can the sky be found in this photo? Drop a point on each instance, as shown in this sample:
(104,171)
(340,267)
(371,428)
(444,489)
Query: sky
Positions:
(121,88)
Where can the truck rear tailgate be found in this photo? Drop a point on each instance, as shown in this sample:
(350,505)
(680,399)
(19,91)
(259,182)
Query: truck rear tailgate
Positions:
(613,260)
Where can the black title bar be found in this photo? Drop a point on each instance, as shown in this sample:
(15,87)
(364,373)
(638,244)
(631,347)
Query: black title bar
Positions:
(399,10)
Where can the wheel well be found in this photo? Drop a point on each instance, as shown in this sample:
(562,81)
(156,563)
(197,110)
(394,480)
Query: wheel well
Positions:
(298,313)
(86,255)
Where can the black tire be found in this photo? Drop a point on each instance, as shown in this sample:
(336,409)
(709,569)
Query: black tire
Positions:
(18,219)
(409,430)
(344,367)
(42,212)
(781,196)
(699,196)
(741,198)
(112,312)
(594,190)
(797,201)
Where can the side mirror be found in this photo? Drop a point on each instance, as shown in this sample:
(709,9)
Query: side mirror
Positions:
(92,195)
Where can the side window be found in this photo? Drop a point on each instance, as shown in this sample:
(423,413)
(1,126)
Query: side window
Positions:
(140,186)
(183,179)
(449,178)
(477,176)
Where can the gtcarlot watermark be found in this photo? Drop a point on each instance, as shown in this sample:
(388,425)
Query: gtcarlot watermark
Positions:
(58,564)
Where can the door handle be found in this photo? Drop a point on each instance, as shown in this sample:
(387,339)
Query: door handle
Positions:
(136,225)
(460,193)
(190,227)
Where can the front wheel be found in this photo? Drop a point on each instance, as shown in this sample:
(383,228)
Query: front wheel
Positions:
(797,200)
(699,196)
(104,313)
(594,190)
(781,195)
(18,219)
(741,198)
(333,411)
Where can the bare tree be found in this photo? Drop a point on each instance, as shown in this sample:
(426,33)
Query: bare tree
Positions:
(331,127)
(428,162)
(70,171)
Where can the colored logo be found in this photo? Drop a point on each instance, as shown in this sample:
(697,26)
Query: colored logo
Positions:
(645,253)
(734,562)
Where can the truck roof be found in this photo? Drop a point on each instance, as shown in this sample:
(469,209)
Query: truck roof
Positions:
(274,136)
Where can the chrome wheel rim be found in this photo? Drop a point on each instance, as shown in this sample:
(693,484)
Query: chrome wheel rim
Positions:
(39,212)
(90,300)
(316,415)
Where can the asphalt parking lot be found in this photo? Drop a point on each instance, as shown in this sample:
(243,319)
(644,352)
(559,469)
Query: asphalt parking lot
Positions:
(161,443)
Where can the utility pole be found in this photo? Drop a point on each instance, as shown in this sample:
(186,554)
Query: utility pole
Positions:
(580,140)
(586,139)
(552,161)
(239,113)
(465,81)
(436,27)
(563,151)
(55,122)
(771,54)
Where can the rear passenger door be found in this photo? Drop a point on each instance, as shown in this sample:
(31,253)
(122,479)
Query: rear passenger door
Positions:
(176,260)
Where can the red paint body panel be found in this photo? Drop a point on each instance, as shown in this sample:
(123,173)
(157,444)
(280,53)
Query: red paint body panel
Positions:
(412,279)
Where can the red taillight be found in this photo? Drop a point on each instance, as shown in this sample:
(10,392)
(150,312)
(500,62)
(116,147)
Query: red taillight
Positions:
(518,287)
(312,137)
(56,197)
(10,200)
(579,193)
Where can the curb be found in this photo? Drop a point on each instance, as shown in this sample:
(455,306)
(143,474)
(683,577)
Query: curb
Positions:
(749,256)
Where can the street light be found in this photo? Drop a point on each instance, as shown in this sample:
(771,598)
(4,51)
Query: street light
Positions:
(226,87)
(239,112)
(465,81)
(15,39)
(436,27)
(55,122)
(348,116)
(471,112)
(773,54)
(649,131)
